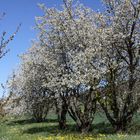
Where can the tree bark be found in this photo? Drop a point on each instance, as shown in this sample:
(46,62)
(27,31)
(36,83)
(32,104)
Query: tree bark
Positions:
(85,127)
(62,112)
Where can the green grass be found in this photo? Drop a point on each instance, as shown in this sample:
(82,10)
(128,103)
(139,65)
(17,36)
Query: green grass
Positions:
(24,128)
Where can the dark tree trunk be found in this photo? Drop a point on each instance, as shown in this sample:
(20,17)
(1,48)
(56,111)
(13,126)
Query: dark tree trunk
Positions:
(62,112)
(85,127)
(120,127)
(62,116)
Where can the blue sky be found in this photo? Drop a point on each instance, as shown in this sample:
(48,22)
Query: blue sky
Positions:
(24,11)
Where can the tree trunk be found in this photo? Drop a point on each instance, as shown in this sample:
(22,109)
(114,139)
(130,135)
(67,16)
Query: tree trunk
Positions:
(62,112)
(62,120)
(120,127)
(84,127)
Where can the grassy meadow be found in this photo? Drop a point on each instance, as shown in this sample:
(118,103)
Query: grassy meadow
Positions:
(24,128)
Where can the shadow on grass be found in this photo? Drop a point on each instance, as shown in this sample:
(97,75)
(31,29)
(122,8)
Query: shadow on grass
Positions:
(106,128)
(30,121)
(51,129)
(71,128)
(34,130)
(103,128)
